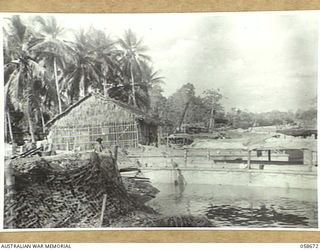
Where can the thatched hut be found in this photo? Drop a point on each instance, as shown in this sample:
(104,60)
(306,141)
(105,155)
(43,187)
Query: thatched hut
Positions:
(96,116)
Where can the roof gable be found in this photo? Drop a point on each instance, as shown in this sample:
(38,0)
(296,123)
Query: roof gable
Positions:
(138,114)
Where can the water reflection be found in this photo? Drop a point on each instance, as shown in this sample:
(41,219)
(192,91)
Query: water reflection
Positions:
(232,206)
(262,216)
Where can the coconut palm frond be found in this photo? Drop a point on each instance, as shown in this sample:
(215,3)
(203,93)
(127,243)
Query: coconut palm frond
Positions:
(31,100)
(143,100)
(18,29)
(40,20)
(49,25)
(124,44)
(36,70)
(50,44)
(145,57)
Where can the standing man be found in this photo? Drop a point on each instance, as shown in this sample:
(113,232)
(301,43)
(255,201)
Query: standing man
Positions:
(99,147)
(180,179)
(180,184)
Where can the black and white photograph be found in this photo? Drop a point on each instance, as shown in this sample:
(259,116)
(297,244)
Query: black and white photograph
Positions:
(160,120)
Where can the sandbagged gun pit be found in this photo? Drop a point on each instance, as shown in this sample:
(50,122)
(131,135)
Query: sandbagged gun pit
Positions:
(66,192)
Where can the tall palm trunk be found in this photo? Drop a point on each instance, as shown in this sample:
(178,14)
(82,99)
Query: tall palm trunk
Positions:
(42,121)
(7,119)
(31,129)
(5,128)
(105,88)
(57,84)
(29,112)
(10,126)
(82,87)
(133,87)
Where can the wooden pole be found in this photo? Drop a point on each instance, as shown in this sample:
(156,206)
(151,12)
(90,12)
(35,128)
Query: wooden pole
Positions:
(311,160)
(269,155)
(249,159)
(115,158)
(115,153)
(159,136)
(185,157)
(103,208)
(137,128)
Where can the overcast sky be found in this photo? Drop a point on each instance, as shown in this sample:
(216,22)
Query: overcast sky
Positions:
(260,62)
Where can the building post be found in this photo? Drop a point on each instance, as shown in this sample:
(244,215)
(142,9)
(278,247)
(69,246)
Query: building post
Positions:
(159,136)
(269,155)
(115,153)
(185,157)
(137,128)
(249,159)
(307,158)
(314,157)
(311,160)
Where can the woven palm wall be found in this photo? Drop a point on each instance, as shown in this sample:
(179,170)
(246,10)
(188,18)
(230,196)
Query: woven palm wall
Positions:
(96,117)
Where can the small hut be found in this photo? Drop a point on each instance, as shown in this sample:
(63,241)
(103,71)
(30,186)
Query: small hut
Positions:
(96,116)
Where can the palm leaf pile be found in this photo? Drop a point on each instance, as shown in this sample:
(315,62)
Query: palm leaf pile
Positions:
(69,194)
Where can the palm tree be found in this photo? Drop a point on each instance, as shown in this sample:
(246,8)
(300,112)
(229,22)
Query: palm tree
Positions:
(132,57)
(150,76)
(103,48)
(24,71)
(84,72)
(123,93)
(150,79)
(52,50)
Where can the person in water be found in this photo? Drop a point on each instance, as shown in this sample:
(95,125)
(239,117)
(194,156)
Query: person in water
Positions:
(174,164)
(180,178)
(180,184)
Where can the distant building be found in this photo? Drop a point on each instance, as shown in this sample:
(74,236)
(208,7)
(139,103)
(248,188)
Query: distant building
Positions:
(194,128)
(300,132)
(96,116)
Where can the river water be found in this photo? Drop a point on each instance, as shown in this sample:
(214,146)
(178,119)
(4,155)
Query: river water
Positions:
(240,206)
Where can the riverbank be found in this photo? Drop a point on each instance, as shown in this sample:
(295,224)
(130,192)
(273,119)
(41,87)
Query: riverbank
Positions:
(236,177)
